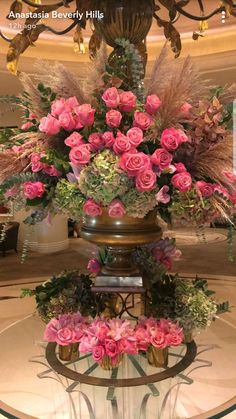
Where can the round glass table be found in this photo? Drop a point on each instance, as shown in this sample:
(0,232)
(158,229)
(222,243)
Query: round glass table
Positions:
(30,388)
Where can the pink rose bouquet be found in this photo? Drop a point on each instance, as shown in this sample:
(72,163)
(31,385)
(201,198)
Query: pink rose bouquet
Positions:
(124,151)
(66,329)
(109,337)
(158,333)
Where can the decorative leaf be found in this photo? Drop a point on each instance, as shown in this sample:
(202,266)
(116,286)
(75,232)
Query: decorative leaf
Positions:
(171,34)
(16,7)
(94,44)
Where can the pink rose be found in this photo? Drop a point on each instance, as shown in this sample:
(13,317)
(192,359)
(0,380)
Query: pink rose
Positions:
(158,339)
(135,136)
(113,118)
(86,114)
(162,196)
(111,347)
(180,167)
(94,266)
(111,97)
(26,126)
(142,338)
(50,333)
(92,208)
(108,138)
(33,190)
(142,120)
(33,115)
(74,140)
(65,336)
(36,164)
(96,141)
(80,155)
(174,338)
(116,209)
(182,181)
(185,108)
(72,103)
(121,144)
(67,121)
(49,125)
(152,104)
(161,158)
(51,170)
(59,106)
(134,162)
(98,353)
(204,188)
(229,176)
(167,262)
(172,138)
(146,180)
(127,101)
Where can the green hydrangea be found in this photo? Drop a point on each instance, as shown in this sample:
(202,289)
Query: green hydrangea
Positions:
(68,199)
(102,180)
(138,204)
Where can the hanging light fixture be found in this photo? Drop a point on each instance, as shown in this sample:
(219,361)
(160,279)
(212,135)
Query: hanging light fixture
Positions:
(108,17)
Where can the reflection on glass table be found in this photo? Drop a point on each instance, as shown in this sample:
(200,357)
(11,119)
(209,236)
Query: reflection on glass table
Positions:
(29,385)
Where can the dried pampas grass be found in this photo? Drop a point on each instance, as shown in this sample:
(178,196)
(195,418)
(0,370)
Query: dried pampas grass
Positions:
(212,161)
(60,79)
(95,72)
(175,82)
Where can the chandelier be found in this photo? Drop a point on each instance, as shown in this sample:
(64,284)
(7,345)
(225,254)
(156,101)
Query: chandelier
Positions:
(109,19)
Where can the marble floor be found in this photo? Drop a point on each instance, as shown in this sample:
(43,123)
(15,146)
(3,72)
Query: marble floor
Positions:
(212,386)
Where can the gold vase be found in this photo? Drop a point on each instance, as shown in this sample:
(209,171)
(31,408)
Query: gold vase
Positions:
(107,363)
(69,352)
(188,337)
(120,236)
(129,20)
(157,357)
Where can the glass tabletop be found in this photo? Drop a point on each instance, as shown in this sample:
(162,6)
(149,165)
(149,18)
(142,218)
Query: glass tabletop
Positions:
(29,385)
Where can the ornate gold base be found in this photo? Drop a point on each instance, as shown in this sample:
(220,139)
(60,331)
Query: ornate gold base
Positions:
(69,352)
(157,357)
(107,363)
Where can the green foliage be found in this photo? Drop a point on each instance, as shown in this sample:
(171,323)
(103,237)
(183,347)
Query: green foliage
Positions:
(68,292)
(5,136)
(47,96)
(102,180)
(57,159)
(189,302)
(68,199)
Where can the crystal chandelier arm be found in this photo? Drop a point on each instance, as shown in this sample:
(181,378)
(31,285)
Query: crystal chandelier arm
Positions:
(68,29)
(60,3)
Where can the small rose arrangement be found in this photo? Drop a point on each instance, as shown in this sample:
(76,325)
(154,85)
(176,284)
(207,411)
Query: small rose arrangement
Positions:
(66,329)
(109,337)
(158,333)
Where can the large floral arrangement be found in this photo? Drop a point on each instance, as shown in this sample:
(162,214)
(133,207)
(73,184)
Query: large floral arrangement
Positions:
(124,148)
